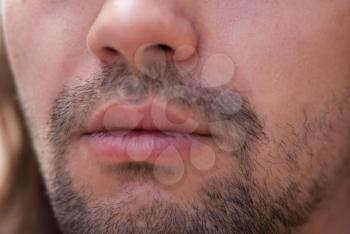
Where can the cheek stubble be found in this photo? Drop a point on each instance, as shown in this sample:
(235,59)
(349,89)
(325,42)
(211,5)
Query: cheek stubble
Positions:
(234,202)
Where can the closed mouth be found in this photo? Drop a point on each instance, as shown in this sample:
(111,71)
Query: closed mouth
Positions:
(116,134)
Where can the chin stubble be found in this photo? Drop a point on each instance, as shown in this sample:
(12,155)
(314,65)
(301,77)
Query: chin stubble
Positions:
(233,203)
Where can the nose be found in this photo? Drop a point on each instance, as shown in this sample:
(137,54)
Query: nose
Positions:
(130,28)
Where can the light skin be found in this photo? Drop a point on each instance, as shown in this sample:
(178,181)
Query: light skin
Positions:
(288,67)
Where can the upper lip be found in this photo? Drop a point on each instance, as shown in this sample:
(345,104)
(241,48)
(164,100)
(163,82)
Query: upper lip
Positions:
(151,115)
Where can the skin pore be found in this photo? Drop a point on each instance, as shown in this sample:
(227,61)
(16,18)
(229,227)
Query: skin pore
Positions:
(267,81)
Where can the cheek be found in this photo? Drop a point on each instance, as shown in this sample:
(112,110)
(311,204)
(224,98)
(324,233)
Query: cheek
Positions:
(47,50)
(289,60)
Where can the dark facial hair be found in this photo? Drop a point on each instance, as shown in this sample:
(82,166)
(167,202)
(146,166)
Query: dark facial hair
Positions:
(232,204)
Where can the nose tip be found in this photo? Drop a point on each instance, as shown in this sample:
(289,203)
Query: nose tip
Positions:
(128,28)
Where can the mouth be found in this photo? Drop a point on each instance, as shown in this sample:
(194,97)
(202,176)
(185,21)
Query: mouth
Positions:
(148,132)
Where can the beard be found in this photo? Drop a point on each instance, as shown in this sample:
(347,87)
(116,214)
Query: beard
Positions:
(234,202)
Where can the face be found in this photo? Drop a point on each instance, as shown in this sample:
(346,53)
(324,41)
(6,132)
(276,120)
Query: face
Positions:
(183,116)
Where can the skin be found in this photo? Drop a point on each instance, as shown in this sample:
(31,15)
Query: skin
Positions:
(290,61)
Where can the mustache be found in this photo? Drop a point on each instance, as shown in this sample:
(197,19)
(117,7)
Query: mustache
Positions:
(232,121)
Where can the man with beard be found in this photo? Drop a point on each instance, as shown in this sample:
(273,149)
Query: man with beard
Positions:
(181,116)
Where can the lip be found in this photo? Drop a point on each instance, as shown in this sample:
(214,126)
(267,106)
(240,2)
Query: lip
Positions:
(119,133)
(150,115)
(137,146)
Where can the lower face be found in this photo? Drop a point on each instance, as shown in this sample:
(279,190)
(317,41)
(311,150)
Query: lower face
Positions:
(262,169)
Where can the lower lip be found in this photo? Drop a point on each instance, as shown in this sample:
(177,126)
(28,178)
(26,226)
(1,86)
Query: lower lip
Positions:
(121,146)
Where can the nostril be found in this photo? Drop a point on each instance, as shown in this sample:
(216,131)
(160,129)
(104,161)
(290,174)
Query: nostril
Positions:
(110,50)
(108,54)
(167,50)
(165,47)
